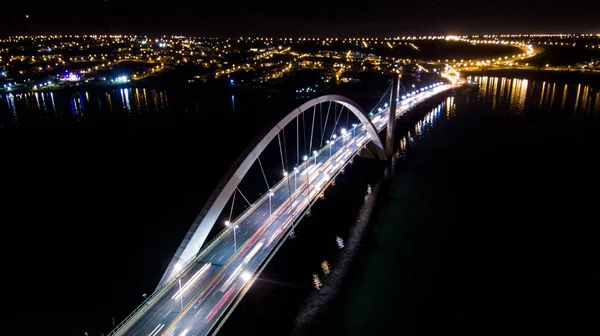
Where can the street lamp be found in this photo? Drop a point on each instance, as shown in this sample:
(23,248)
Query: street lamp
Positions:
(295,174)
(271,194)
(181,294)
(315,154)
(246,276)
(305,157)
(344,135)
(228,224)
(177,268)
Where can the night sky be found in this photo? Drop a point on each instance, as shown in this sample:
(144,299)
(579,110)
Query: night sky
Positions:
(298,18)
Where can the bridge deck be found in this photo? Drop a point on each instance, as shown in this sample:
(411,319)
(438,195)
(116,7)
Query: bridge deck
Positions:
(192,304)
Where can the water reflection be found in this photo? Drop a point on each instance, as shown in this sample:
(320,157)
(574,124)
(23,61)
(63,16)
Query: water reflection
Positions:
(421,128)
(52,100)
(76,107)
(125,100)
(35,108)
(132,105)
(12,107)
(516,95)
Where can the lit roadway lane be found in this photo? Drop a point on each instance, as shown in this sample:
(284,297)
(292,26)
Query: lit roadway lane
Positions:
(166,308)
(168,305)
(305,185)
(201,315)
(217,277)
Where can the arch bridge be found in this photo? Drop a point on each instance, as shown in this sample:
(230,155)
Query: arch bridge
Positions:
(311,145)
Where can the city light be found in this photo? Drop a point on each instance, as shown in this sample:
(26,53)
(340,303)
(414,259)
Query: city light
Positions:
(121,79)
(268,59)
(246,276)
(206,284)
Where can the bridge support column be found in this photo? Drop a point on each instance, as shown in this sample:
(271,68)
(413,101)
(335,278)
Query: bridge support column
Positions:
(391,126)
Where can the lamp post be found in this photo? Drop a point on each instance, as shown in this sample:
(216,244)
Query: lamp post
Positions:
(295,176)
(330,143)
(271,194)
(178,276)
(344,135)
(180,294)
(308,175)
(228,224)
(286,176)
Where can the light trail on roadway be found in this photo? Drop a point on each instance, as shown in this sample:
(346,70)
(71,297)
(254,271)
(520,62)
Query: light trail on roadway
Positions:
(194,303)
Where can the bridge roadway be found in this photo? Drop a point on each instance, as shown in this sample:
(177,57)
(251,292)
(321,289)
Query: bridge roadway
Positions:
(193,304)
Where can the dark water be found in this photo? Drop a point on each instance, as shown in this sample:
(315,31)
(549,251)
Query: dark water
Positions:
(487,224)
(483,225)
(100,187)
(486,218)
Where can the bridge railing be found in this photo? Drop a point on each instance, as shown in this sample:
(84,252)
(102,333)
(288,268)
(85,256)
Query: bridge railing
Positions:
(290,175)
(303,164)
(262,198)
(146,303)
(228,310)
(232,305)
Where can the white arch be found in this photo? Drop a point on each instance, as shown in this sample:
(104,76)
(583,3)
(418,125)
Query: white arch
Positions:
(195,237)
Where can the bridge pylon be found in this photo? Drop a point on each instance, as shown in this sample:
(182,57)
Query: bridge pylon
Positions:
(391,125)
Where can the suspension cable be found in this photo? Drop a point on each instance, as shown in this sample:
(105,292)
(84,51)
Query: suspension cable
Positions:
(336,121)
(280,152)
(263,172)
(285,149)
(326,117)
(232,203)
(285,174)
(312,128)
(347,119)
(304,132)
(382,99)
(238,189)
(321,121)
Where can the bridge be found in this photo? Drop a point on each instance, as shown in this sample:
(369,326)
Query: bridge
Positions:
(206,279)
